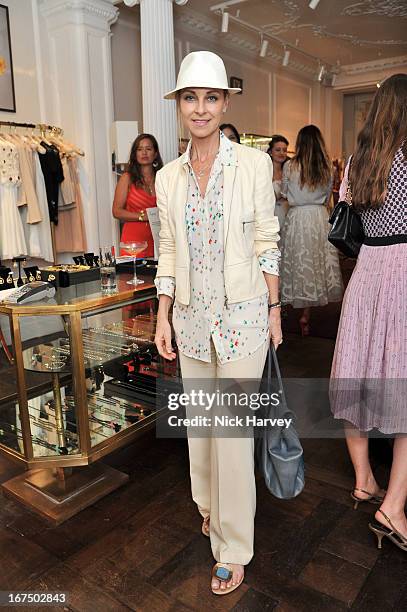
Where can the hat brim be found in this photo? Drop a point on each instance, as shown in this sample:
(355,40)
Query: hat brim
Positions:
(171,95)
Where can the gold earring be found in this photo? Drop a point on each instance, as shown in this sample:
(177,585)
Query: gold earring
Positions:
(38,275)
(31,277)
(1,281)
(9,279)
(51,277)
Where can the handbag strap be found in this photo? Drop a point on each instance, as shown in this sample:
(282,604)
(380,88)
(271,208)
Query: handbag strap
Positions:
(273,359)
(348,196)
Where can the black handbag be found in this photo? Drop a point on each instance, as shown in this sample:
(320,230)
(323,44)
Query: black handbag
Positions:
(278,449)
(346,233)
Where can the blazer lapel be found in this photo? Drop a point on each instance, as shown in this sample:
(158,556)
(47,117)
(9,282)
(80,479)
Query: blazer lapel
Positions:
(229,174)
(179,197)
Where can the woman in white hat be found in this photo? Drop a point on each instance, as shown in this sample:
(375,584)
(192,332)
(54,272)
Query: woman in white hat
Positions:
(218,261)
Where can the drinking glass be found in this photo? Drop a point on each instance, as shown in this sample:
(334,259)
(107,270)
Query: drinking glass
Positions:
(134,249)
(108,270)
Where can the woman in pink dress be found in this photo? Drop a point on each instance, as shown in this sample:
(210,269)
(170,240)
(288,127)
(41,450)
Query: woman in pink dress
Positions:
(135,192)
(369,371)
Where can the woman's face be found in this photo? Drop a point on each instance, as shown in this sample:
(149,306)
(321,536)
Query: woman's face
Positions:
(279,152)
(145,152)
(202,110)
(229,134)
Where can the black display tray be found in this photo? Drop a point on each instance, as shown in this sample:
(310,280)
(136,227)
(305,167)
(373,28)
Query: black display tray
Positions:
(63,278)
(142,388)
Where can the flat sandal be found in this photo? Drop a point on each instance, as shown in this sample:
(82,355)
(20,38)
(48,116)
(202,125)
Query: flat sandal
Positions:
(372,499)
(223,572)
(382,531)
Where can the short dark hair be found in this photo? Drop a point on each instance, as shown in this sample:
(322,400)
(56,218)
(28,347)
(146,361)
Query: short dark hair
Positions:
(276,138)
(231,127)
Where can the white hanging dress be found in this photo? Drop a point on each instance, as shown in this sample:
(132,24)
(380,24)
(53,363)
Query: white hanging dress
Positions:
(43,229)
(12,239)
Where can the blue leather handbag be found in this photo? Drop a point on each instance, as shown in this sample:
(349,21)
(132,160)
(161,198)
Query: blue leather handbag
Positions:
(278,449)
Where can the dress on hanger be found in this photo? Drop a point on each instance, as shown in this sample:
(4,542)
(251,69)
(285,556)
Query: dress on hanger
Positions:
(70,233)
(12,239)
(27,171)
(67,188)
(53,176)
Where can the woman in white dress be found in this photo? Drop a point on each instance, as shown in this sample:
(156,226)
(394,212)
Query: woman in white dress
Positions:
(278,153)
(310,271)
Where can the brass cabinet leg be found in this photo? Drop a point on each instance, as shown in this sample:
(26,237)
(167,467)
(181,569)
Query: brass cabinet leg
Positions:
(59,419)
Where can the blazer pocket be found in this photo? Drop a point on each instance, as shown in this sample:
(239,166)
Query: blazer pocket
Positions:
(248,231)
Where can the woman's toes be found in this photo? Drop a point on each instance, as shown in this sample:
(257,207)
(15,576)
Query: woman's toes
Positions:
(215,584)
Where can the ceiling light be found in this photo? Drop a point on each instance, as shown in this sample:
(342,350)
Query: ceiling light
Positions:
(321,73)
(130,2)
(225,21)
(313,4)
(264,47)
(286,57)
(377,85)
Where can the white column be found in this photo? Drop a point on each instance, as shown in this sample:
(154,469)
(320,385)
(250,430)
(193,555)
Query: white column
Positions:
(158,74)
(75,45)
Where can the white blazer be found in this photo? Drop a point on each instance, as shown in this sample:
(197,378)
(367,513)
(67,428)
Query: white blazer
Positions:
(250,227)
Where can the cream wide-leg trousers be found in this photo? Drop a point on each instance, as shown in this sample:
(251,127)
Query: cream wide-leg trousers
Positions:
(222,468)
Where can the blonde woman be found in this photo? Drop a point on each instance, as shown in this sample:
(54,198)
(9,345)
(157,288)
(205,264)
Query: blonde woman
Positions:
(219,263)
(310,272)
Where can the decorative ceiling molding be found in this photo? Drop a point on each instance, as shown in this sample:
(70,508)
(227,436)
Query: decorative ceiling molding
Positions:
(192,22)
(379,64)
(354,40)
(292,14)
(389,8)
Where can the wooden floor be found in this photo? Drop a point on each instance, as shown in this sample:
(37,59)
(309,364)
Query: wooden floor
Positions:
(141,547)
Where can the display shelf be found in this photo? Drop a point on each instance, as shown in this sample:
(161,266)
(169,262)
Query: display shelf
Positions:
(79,410)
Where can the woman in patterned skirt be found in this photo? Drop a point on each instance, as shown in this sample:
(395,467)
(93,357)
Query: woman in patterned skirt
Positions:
(310,272)
(369,371)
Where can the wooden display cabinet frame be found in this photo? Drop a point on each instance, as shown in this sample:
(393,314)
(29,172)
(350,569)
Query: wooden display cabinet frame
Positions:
(59,487)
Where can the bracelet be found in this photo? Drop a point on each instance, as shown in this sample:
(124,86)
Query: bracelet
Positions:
(275,305)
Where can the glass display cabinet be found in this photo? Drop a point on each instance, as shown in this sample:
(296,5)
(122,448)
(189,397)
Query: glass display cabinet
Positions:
(84,366)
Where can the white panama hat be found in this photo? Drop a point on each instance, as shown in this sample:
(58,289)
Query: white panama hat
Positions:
(202,69)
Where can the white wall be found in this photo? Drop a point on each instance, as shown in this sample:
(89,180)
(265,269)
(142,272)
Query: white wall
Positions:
(25,65)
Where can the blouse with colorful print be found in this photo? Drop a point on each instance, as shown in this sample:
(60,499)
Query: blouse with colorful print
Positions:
(237,330)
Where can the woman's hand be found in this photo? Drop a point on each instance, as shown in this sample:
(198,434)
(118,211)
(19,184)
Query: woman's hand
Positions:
(276,335)
(163,338)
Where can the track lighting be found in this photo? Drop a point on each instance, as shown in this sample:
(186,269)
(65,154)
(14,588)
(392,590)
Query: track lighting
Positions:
(264,47)
(321,73)
(286,57)
(313,4)
(225,21)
